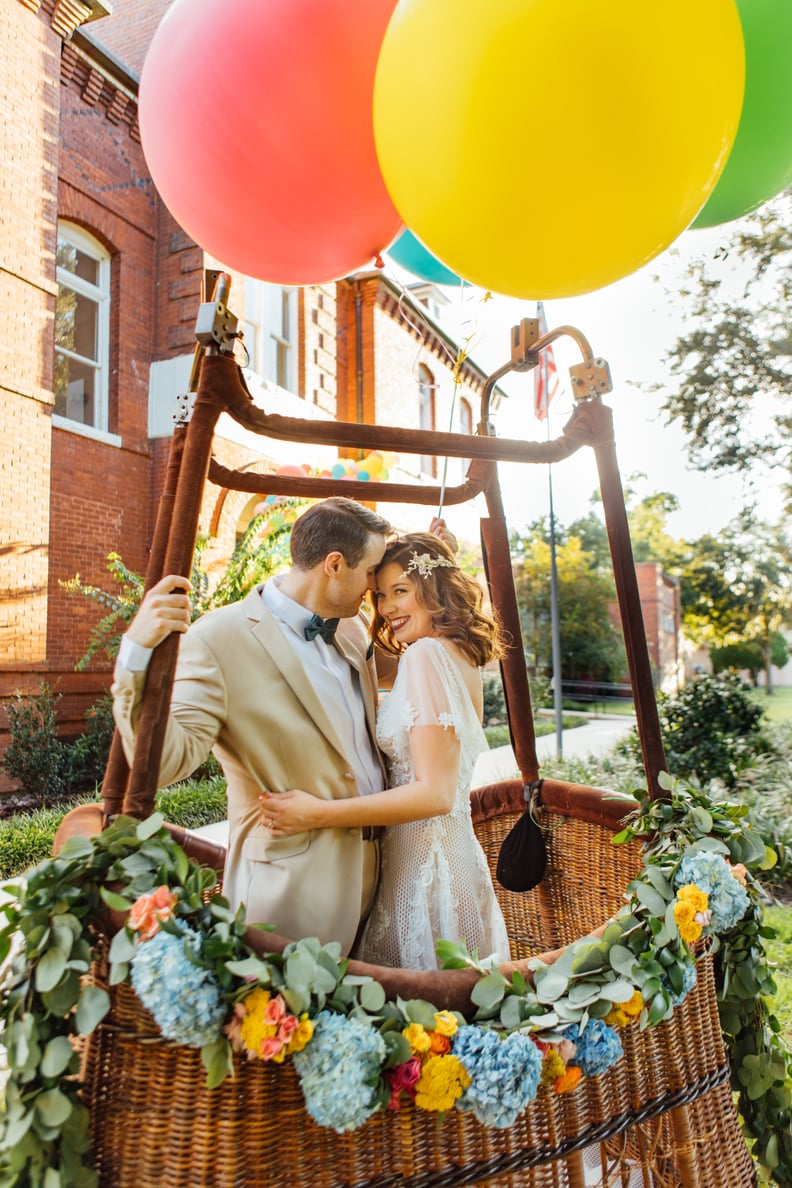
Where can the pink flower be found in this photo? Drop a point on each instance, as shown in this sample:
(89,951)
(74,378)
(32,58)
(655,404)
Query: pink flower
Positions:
(566,1049)
(403,1079)
(275,1010)
(270,1048)
(287,1028)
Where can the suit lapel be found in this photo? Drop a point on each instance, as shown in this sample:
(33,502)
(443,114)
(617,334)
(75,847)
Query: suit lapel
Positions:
(267,633)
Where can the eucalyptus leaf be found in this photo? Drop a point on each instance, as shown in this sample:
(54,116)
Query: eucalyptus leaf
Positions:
(418,1010)
(150,826)
(76,847)
(53,1106)
(622,960)
(122,947)
(511,1015)
(92,1006)
(218,1061)
(372,997)
(50,969)
(58,1055)
(651,899)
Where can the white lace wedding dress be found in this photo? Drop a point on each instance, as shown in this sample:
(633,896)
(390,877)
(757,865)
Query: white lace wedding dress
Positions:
(434,881)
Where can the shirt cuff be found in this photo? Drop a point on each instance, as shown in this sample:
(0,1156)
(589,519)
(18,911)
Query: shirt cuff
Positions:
(133,656)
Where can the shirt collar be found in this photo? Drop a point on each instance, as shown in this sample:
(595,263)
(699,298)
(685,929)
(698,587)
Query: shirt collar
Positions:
(285,608)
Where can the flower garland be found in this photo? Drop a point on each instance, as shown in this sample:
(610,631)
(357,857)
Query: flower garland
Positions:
(353,1052)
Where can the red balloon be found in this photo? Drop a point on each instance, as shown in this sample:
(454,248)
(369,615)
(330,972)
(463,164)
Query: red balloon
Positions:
(255,119)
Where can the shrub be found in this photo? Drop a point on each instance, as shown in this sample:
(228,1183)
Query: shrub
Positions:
(710,729)
(86,757)
(35,755)
(494,700)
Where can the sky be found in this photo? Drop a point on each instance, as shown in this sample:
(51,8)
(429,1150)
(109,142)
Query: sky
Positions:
(631,324)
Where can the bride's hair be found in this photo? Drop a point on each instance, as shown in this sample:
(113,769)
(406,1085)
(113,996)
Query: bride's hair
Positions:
(452,597)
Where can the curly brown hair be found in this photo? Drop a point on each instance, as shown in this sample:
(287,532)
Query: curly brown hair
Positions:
(452,597)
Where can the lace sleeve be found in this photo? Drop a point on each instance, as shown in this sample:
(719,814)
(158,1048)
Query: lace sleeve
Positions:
(430,695)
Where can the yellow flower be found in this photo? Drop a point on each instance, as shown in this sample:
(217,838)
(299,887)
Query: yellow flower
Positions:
(634,1005)
(417,1037)
(693,895)
(621,1013)
(445,1023)
(552,1067)
(443,1079)
(302,1035)
(252,1028)
(685,916)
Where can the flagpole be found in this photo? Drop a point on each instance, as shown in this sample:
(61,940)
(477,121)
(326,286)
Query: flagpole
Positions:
(555,630)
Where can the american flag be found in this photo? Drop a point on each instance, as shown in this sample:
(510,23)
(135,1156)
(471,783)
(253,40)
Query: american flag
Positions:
(546,384)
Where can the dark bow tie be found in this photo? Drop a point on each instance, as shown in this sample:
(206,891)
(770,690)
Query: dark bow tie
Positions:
(319,626)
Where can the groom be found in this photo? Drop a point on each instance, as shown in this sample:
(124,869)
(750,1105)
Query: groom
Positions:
(282,685)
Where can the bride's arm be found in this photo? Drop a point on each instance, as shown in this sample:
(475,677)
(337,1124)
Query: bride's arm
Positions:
(435,761)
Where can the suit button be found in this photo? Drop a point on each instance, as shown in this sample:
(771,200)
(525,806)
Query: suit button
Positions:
(348,775)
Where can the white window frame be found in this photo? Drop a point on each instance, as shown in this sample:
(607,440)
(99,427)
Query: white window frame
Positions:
(100,295)
(263,332)
(427,388)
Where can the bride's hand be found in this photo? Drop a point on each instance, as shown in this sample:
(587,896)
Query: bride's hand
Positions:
(290,812)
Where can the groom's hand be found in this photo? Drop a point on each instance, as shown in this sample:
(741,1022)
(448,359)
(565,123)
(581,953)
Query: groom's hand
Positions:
(440,529)
(164,609)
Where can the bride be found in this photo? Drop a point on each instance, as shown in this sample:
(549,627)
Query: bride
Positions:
(434,879)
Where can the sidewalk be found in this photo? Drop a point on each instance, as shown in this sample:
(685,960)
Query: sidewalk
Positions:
(595,738)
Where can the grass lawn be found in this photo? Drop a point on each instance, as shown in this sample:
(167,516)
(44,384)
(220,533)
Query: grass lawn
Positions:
(778,706)
(780,952)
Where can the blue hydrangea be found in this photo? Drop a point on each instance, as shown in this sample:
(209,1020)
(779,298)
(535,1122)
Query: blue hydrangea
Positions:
(598,1047)
(183,998)
(728,899)
(339,1071)
(505,1074)
(688,982)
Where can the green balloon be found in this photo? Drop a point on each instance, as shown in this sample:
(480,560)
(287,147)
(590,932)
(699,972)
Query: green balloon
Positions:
(760,162)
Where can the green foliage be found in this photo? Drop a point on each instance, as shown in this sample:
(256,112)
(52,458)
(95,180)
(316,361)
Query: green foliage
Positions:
(86,757)
(761,1066)
(119,607)
(35,755)
(734,355)
(591,647)
(494,700)
(26,839)
(737,656)
(709,729)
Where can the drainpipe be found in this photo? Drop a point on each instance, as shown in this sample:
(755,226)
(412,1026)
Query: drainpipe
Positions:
(359,352)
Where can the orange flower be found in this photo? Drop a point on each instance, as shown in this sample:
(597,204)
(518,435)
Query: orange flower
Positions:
(148,911)
(439,1044)
(568,1080)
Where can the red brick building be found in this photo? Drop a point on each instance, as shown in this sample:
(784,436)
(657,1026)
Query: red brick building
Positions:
(99,290)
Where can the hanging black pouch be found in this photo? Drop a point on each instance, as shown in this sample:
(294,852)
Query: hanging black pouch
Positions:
(523,854)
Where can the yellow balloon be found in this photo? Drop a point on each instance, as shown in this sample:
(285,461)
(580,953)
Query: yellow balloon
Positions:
(549,147)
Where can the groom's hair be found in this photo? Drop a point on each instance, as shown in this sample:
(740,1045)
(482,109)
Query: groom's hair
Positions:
(336,525)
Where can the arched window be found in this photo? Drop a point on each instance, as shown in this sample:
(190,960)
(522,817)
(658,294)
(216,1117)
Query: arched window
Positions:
(426,414)
(82,328)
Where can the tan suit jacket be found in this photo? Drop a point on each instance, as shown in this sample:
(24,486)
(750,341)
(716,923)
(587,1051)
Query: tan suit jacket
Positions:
(240,691)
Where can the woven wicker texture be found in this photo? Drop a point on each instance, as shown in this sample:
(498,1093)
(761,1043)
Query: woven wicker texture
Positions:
(663,1115)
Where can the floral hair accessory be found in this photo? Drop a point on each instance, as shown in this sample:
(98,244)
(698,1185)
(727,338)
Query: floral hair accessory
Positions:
(425,563)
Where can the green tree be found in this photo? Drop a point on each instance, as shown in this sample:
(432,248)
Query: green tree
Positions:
(735,359)
(591,646)
(737,589)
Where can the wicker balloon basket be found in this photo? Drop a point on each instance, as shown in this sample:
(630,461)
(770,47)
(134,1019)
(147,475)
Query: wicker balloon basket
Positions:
(663,1115)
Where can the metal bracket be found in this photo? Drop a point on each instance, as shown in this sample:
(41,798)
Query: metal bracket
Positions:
(216,326)
(523,338)
(590,378)
(185,403)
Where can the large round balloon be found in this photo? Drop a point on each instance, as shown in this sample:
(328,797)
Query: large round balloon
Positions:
(553,146)
(410,253)
(760,163)
(255,119)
